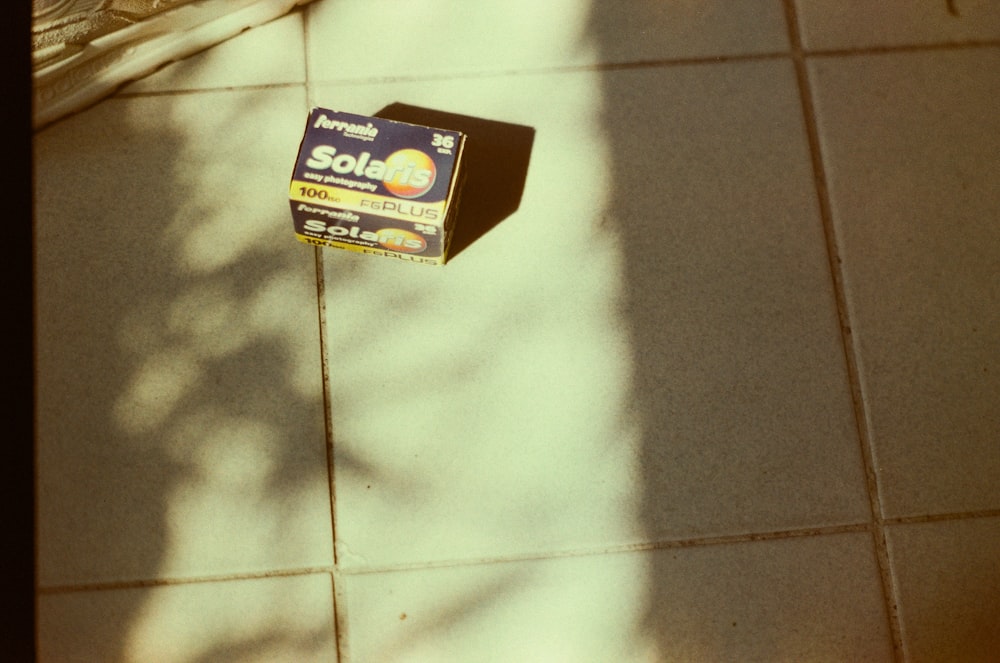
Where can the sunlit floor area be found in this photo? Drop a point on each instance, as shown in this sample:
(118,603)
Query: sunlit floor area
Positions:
(719,380)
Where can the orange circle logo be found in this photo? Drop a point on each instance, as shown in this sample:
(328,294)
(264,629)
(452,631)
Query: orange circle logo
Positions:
(403,241)
(409,173)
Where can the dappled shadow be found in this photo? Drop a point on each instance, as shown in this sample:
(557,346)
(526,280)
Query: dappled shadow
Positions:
(93,479)
(180,402)
(269,646)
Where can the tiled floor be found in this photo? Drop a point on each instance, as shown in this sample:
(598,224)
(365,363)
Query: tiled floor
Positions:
(724,387)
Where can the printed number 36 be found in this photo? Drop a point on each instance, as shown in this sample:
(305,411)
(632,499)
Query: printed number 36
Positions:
(443,141)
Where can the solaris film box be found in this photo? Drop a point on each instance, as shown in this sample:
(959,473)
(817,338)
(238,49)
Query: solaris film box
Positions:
(376,186)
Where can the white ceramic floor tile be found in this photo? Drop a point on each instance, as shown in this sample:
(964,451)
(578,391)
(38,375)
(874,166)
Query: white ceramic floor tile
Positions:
(948,580)
(910,143)
(479,409)
(268,54)
(809,599)
(572,610)
(382,39)
(180,417)
(618,361)
(793,600)
(273,620)
(828,24)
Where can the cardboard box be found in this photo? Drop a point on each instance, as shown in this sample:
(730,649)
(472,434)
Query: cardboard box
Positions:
(376,186)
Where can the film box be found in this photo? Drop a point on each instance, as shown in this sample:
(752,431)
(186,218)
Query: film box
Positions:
(376,186)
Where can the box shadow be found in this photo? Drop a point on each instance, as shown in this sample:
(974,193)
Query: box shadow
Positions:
(495,163)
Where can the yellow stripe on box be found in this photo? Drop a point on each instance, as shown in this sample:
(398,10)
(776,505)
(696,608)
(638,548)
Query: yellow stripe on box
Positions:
(368,203)
(357,248)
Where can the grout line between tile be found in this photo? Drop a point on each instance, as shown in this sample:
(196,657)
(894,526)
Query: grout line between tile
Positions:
(942,517)
(173,582)
(595,67)
(223,88)
(555,69)
(338,616)
(901,48)
(670,544)
(325,370)
(664,62)
(325,376)
(848,342)
(339,610)
(339,613)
